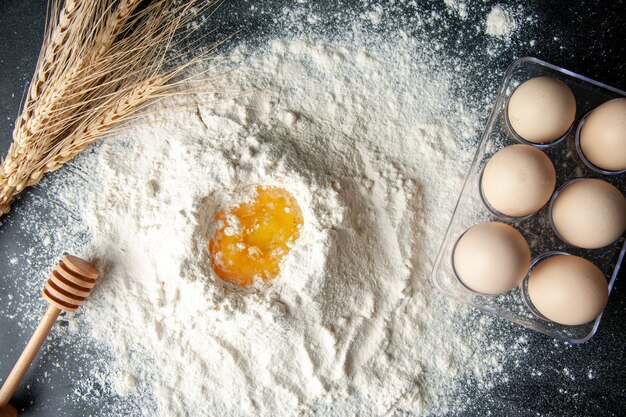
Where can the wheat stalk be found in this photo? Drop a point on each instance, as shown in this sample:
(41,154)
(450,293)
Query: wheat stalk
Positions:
(102,62)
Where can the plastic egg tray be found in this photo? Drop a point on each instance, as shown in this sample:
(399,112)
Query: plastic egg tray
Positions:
(471,209)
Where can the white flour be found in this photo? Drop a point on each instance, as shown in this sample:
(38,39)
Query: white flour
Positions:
(371,141)
(459,7)
(500,22)
(352,320)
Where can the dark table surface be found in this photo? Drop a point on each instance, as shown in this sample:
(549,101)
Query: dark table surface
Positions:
(585,37)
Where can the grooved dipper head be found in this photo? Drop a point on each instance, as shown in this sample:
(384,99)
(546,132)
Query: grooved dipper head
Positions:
(70,283)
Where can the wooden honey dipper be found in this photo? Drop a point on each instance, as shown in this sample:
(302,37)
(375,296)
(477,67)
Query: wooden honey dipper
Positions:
(67,287)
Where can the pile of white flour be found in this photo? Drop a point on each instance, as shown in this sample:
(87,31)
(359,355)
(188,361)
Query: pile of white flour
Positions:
(500,22)
(352,320)
(373,143)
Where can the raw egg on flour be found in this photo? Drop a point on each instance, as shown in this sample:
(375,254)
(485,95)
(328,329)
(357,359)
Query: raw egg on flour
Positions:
(251,239)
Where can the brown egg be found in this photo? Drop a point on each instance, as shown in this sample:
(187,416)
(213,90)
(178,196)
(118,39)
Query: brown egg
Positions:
(518,180)
(541,109)
(589,213)
(491,258)
(568,289)
(603,136)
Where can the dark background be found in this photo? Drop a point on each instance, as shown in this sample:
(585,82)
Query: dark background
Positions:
(585,37)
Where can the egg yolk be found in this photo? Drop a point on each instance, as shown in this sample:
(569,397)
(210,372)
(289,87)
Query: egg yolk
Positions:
(252,238)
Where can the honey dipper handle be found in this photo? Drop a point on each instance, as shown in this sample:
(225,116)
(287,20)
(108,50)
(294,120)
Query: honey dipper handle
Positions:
(27,356)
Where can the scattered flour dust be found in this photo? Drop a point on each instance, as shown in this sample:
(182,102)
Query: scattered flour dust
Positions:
(352,325)
(457,6)
(500,22)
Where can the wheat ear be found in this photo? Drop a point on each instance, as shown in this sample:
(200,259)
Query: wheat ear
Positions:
(102,62)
